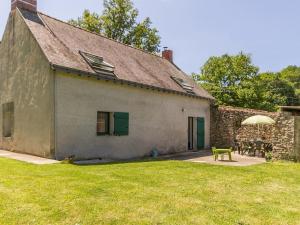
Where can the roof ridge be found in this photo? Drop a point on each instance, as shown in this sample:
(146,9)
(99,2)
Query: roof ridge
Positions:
(101,35)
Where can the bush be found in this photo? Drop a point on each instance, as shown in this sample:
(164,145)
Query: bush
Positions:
(269,156)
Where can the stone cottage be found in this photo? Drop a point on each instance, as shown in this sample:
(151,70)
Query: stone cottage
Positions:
(66,92)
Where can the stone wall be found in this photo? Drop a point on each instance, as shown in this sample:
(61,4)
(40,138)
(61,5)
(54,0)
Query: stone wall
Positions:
(264,132)
(283,137)
(226,125)
(297,138)
(226,128)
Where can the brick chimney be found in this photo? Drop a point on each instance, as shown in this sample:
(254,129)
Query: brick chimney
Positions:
(30,5)
(167,54)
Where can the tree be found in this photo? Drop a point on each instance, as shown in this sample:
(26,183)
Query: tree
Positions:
(271,91)
(223,77)
(119,22)
(88,21)
(119,19)
(235,81)
(292,75)
(145,37)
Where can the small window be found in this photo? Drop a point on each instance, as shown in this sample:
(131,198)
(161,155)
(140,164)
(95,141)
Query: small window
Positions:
(8,119)
(102,123)
(98,64)
(187,87)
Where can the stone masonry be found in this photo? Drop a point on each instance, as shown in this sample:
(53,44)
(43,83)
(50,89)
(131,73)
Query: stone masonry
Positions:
(226,128)
(283,136)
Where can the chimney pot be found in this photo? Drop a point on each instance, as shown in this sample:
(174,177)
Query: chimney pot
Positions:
(30,5)
(167,54)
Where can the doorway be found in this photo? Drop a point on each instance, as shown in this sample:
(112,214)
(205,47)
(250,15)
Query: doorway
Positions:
(200,133)
(190,133)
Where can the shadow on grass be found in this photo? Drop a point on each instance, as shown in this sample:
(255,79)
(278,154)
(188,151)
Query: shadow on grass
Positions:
(172,157)
(133,161)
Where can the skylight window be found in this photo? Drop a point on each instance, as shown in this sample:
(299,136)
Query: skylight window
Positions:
(98,64)
(187,87)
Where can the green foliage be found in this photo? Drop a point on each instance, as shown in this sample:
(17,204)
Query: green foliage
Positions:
(119,19)
(292,74)
(119,22)
(269,91)
(88,21)
(224,76)
(228,70)
(235,81)
(269,156)
(145,37)
(277,90)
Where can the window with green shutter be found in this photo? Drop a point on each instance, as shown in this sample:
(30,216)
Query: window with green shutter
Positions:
(121,123)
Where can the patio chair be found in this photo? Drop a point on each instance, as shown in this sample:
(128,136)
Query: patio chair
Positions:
(268,147)
(244,147)
(237,146)
(259,147)
(247,147)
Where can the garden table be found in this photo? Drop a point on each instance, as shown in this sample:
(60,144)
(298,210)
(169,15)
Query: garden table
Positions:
(217,152)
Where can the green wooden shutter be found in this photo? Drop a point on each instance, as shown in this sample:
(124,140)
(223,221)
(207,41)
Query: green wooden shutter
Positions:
(121,123)
(200,133)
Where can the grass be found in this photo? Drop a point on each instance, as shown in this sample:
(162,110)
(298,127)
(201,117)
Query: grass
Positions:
(154,192)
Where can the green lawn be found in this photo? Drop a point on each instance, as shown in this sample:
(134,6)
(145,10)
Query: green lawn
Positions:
(156,192)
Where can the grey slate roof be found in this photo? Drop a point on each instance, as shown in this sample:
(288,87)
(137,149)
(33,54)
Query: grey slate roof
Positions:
(61,44)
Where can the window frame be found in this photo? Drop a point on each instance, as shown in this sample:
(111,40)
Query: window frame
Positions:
(98,64)
(188,88)
(8,109)
(107,123)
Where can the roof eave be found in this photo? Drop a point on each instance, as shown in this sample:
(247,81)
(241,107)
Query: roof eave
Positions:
(121,81)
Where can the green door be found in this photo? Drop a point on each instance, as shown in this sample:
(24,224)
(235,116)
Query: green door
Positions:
(200,133)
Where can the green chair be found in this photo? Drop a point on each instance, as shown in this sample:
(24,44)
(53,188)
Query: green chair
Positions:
(217,152)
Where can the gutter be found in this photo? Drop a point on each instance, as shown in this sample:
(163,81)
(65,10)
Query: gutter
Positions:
(121,81)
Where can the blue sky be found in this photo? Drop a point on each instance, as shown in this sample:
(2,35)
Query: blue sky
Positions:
(197,29)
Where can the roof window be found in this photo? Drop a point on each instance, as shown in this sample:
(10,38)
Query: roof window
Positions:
(98,64)
(187,87)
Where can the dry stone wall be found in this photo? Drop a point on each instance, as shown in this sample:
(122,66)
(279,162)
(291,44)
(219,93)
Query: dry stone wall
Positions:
(226,125)
(297,138)
(226,128)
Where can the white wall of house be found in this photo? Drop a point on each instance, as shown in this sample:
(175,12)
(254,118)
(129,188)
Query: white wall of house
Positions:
(156,119)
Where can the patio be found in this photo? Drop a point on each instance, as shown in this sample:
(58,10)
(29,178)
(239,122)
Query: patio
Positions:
(276,141)
(207,157)
(196,157)
(26,158)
